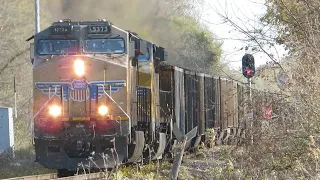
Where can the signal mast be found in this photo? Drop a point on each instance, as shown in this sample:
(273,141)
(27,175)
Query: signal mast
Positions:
(248,71)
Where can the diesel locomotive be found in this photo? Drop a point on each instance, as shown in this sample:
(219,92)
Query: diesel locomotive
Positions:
(103,96)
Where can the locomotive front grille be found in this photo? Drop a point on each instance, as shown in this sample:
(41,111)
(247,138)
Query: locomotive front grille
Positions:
(79,95)
(79,103)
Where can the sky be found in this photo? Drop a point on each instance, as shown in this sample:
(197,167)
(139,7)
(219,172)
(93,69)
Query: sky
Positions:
(243,12)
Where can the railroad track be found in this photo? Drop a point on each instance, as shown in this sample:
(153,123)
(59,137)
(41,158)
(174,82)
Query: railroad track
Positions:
(92,176)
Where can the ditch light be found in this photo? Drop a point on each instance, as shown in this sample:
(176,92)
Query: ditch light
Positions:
(103,110)
(55,110)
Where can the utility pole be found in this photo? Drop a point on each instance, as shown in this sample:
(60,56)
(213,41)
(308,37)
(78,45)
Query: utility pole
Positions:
(37,15)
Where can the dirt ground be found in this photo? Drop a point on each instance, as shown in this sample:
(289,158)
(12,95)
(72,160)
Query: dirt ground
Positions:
(200,165)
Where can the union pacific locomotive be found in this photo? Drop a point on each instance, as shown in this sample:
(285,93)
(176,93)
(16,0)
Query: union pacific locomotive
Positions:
(104,97)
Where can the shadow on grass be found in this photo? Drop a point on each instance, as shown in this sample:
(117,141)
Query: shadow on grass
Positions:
(22,165)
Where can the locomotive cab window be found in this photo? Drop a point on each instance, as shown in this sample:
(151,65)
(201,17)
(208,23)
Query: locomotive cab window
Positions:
(104,46)
(146,56)
(56,47)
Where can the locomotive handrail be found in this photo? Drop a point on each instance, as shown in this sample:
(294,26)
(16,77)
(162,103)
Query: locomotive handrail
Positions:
(42,107)
(114,101)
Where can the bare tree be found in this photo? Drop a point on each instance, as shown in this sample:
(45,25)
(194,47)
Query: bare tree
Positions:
(287,145)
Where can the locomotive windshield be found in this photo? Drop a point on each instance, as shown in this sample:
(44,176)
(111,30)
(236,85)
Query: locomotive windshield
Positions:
(112,46)
(55,47)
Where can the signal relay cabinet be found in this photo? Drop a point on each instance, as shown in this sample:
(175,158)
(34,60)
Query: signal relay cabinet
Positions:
(6,131)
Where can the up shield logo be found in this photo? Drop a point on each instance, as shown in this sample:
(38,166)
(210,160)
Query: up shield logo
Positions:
(79,92)
(79,84)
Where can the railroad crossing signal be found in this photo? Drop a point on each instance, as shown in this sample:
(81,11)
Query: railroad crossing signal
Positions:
(248,69)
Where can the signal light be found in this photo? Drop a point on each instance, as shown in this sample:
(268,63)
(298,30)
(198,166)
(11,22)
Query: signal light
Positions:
(79,67)
(103,110)
(248,69)
(55,110)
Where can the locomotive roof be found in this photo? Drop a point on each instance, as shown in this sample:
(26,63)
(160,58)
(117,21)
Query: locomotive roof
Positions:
(68,21)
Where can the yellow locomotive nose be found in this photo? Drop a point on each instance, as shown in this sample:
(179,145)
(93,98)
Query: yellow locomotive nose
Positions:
(79,67)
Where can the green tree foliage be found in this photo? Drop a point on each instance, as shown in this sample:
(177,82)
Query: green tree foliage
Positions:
(197,48)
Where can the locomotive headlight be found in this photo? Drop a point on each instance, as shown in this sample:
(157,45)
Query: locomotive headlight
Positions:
(79,67)
(103,110)
(55,110)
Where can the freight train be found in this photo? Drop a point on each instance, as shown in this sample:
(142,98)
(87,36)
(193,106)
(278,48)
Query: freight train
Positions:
(103,96)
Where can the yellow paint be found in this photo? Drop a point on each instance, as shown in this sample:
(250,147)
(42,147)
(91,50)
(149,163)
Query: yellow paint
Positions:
(65,119)
(144,79)
(114,118)
(110,118)
(80,118)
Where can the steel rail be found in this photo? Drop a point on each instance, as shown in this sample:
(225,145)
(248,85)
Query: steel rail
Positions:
(36,177)
(99,175)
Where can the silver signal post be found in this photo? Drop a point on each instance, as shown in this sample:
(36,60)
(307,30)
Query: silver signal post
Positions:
(250,109)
